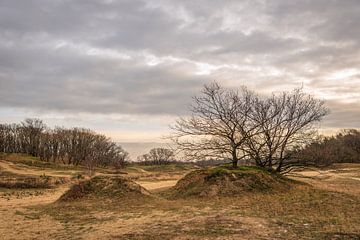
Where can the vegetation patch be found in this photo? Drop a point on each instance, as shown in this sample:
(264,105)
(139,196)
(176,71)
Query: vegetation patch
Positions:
(15,181)
(227,181)
(25,160)
(167,167)
(106,187)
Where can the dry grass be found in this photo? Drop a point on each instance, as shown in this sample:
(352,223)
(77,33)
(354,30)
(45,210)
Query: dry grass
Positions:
(327,208)
(9,180)
(227,181)
(303,213)
(103,187)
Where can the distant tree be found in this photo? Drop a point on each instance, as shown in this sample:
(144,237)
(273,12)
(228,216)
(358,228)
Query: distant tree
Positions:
(144,159)
(10,141)
(157,156)
(210,162)
(351,139)
(76,146)
(118,156)
(32,129)
(341,148)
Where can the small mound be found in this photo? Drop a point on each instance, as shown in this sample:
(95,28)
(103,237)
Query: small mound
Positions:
(104,187)
(222,181)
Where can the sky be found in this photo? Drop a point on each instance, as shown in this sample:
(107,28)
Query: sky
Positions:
(129,68)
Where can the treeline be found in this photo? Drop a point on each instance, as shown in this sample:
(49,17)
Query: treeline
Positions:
(210,162)
(157,156)
(75,146)
(344,147)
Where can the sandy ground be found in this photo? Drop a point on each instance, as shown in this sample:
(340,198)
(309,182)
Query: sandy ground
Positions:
(157,185)
(17,222)
(341,179)
(25,170)
(13,225)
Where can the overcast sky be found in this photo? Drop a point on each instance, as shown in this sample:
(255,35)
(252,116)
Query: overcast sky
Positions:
(129,68)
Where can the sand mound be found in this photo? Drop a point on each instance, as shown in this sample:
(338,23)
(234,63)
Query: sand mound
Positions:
(104,187)
(222,181)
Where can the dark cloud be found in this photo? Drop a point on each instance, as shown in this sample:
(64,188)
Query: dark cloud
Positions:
(59,80)
(136,57)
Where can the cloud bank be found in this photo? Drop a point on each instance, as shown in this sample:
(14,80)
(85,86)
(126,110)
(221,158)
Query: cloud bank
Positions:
(145,59)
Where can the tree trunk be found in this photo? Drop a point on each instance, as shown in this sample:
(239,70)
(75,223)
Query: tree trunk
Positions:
(234,158)
(270,161)
(279,167)
(234,163)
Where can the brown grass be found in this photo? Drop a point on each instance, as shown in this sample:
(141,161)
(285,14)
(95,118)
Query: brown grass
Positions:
(104,187)
(325,209)
(302,213)
(11,180)
(225,181)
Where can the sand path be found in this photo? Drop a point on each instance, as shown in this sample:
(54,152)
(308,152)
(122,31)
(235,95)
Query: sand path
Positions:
(33,171)
(157,185)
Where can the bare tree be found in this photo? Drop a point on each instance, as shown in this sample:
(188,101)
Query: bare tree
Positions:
(157,156)
(32,128)
(220,123)
(285,121)
(118,157)
(76,146)
(237,124)
(144,158)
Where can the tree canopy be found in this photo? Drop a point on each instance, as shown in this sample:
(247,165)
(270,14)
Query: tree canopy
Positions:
(238,123)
